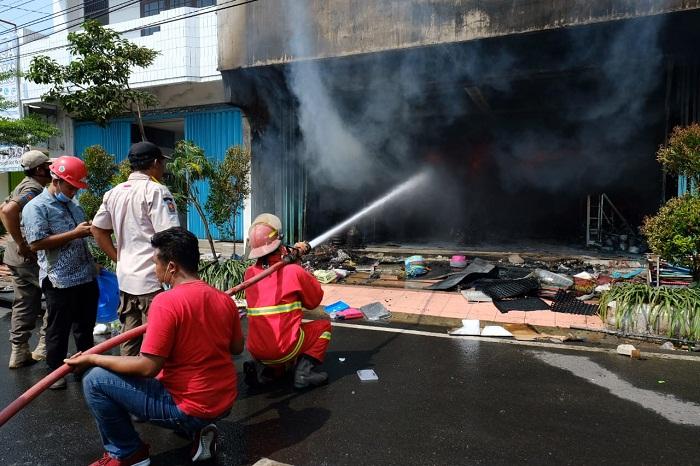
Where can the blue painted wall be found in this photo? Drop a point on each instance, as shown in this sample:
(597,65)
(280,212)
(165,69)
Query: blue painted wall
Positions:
(213,130)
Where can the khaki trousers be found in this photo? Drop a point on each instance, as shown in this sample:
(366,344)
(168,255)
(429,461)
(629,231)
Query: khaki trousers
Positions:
(133,312)
(26,308)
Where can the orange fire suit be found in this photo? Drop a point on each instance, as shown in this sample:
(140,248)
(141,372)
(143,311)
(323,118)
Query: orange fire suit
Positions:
(276,335)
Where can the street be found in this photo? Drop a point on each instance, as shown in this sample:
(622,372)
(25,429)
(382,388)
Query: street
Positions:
(437,401)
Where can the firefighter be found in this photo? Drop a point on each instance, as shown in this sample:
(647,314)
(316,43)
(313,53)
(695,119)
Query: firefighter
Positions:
(277,339)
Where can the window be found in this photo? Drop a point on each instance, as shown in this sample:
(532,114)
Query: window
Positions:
(203,3)
(151,8)
(97,10)
(179,3)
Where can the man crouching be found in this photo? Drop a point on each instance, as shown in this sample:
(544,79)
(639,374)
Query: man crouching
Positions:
(184,379)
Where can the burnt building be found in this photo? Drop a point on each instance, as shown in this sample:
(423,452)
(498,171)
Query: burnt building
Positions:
(522,111)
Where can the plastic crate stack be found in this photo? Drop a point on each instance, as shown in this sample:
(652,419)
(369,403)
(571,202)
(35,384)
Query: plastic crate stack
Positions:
(661,273)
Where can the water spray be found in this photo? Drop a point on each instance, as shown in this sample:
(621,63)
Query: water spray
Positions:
(407,185)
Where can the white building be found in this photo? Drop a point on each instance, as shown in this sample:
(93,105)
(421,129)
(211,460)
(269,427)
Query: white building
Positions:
(184,78)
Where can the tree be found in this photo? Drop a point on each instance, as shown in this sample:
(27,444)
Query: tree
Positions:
(188,169)
(94,86)
(674,232)
(228,189)
(23,131)
(681,155)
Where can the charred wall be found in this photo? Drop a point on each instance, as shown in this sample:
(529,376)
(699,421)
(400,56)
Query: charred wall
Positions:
(517,130)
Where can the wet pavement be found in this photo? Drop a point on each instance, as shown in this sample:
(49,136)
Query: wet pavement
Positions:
(437,401)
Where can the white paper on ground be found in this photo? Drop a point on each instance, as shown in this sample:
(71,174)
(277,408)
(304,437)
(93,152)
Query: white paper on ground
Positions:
(101,329)
(495,331)
(469,327)
(367,375)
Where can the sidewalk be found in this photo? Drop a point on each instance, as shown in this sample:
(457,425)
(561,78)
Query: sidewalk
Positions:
(425,305)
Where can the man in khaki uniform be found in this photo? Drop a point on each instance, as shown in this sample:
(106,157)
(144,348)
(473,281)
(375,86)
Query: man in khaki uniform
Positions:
(26,307)
(134,211)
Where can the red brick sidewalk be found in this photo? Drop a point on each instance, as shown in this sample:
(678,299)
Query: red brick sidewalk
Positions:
(448,305)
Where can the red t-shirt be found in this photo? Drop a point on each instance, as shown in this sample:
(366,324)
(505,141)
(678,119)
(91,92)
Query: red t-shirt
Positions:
(193,326)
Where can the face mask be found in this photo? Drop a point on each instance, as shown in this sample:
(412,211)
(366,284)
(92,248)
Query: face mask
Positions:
(166,285)
(63,198)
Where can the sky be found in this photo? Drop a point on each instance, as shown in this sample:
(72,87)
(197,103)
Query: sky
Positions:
(21,12)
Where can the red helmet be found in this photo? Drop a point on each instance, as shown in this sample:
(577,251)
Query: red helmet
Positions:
(70,169)
(264,236)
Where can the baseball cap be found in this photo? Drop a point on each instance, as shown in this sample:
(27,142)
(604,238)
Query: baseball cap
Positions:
(34,158)
(145,151)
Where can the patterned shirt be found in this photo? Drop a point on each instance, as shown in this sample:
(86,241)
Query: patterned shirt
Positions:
(71,264)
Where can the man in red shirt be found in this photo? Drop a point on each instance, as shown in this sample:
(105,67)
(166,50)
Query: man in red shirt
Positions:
(277,338)
(184,379)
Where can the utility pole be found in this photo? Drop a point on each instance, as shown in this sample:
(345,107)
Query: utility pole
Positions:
(19,80)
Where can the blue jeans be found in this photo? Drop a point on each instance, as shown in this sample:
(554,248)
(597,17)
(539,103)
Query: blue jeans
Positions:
(112,398)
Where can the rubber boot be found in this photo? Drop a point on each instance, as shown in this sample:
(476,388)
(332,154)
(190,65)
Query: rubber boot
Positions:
(305,377)
(253,374)
(39,353)
(20,356)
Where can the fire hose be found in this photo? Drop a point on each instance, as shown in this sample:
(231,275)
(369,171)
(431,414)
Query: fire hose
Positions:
(25,398)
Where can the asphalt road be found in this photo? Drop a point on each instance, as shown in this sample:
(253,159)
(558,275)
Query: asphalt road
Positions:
(437,401)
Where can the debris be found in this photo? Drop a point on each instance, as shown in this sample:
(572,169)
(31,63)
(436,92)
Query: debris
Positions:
(628,350)
(336,307)
(567,303)
(627,275)
(469,327)
(668,346)
(415,266)
(340,257)
(584,276)
(375,311)
(102,329)
(502,289)
(495,331)
(458,262)
(347,314)
(367,375)
(602,288)
(515,259)
(660,381)
(325,276)
(478,268)
(341,273)
(521,304)
(476,296)
(550,278)
(341,359)
(522,332)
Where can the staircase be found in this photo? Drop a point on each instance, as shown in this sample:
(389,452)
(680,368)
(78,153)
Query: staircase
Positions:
(602,217)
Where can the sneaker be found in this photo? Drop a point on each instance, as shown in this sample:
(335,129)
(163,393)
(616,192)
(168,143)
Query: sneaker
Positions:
(204,446)
(138,458)
(60,384)
(20,356)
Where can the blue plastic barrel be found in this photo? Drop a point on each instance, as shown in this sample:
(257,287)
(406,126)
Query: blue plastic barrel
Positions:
(108,302)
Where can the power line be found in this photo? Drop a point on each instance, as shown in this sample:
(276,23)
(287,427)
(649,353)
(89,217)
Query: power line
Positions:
(74,23)
(38,19)
(202,11)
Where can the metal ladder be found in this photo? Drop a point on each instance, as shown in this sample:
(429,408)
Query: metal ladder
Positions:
(603,216)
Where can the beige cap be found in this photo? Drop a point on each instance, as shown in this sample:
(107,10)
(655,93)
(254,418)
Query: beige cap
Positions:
(33,158)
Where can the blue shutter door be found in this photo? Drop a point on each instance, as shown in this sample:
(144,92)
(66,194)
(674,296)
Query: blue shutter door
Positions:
(115,138)
(214,131)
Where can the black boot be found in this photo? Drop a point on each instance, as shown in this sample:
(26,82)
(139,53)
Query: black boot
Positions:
(304,376)
(253,374)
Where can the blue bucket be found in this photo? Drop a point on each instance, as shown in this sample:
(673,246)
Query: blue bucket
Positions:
(108,303)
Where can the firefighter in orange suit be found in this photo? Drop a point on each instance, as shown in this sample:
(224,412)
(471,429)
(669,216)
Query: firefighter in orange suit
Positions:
(277,339)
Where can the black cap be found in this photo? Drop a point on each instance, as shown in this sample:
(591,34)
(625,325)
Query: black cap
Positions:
(145,152)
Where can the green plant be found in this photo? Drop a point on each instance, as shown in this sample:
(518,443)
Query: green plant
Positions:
(22,131)
(101,170)
(188,169)
(228,189)
(224,274)
(122,173)
(681,155)
(674,232)
(95,86)
(676,308)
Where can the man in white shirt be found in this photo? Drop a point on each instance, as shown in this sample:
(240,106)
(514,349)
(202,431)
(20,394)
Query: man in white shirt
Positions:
(134,211)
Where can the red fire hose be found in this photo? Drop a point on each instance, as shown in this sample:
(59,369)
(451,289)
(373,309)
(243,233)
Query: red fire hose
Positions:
(26,397)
